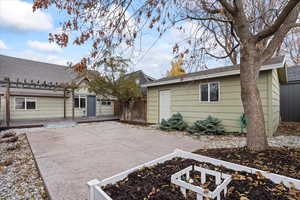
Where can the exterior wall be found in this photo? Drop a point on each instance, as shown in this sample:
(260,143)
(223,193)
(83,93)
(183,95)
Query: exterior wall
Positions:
(45,108)
(51,107)
(274,101)
(104,109)
(79,112)
(185,98)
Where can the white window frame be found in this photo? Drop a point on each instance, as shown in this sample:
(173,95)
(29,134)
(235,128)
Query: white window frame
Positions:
(34,99)
(208,91)
(80,96)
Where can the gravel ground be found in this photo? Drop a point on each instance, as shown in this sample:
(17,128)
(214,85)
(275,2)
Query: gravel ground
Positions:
(212,142)
(19,180)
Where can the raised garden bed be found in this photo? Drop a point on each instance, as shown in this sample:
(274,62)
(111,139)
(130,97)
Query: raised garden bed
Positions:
(279,160)
(152,181)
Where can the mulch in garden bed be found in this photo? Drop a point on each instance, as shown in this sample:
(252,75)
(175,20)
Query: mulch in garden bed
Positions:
(154,183)
(288,128)
(283,161)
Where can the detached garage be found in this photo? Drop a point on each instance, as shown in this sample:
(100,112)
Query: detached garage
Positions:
(215,92)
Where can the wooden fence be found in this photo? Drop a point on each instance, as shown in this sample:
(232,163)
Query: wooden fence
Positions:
(134,111)
(290,102)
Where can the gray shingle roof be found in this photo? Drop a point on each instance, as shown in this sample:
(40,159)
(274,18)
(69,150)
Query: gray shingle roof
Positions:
(17,68)
(293,73)
(144,78)
(278,59)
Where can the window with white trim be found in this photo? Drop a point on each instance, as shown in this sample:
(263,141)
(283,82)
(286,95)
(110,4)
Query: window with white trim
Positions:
(210,92)
(25,103)
(79,101)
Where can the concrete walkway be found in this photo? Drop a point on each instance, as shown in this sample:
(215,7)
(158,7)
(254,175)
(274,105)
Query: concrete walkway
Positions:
(69,157)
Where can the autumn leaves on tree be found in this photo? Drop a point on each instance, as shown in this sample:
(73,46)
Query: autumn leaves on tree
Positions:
(176,67)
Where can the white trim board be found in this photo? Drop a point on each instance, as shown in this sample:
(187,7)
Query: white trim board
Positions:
(96,193)
(215,75)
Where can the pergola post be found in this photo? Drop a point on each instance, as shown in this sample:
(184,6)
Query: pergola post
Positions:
(7,103)
(73,102)
(65,108)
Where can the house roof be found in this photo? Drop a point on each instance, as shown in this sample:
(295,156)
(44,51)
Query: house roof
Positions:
(293,73)
(144,78)
(17,68)
(273,63)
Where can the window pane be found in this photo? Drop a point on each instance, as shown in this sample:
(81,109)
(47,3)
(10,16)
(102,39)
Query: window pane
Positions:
(30,105)
(214,91)
(103,103)
(204,92)
(76,102)
(20,103)
(82,102)
(108,103)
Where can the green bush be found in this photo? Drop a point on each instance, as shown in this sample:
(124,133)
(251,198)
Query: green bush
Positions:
(209,126)
(174,123)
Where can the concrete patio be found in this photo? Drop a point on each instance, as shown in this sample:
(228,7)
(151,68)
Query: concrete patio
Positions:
(29,123)
(69,157)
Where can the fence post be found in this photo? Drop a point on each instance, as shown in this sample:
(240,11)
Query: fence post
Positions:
(91,184)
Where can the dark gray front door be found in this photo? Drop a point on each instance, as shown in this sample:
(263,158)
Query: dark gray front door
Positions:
(91,106)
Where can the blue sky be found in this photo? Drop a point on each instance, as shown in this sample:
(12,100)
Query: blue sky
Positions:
(25,34)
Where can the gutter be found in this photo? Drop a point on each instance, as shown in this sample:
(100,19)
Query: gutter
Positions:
(215,75)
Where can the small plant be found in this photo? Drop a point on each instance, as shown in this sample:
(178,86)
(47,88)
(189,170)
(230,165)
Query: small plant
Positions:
(174,123)
(209,126)
(243,122)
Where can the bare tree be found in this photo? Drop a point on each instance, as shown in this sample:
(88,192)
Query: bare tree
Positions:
(256,29)
(291,46)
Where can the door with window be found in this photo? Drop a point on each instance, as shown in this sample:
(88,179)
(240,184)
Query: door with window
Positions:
(164,105)
(91,106)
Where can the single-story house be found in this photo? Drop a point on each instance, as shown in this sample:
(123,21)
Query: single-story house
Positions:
(36,92)
(290,95)
(215,92)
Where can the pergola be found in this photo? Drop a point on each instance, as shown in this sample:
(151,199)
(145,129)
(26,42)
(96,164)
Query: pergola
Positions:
(37,85)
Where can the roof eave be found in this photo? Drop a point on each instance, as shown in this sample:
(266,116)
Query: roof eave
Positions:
(215,75)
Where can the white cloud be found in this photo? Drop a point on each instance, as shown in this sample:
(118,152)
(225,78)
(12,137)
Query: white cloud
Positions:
(47,58)
(44,46)
(18,15)
(154,61)
(3,45)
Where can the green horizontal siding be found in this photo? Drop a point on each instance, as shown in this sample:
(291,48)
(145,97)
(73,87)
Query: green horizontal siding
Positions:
(185,99)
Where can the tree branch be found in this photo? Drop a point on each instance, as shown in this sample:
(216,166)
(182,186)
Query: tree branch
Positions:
(280,20)
(280,34)
(294,25)
(203,4)
(208,19)
(232,10)
(222,57)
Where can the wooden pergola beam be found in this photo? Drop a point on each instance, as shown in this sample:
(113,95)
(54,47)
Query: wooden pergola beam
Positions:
(7,103)
(73,102)
(65,106)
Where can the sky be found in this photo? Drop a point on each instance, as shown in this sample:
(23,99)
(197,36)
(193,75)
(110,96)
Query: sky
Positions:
(24,34)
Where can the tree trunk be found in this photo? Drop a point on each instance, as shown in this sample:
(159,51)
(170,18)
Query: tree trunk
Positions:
(256,132)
